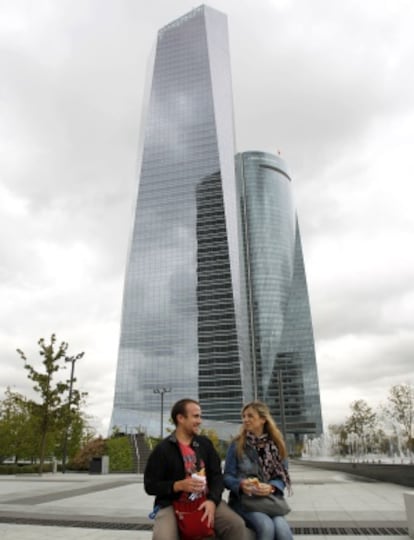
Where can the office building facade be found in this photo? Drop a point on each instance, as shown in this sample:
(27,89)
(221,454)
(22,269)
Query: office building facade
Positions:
(284,370)
(196,320)
(183,321)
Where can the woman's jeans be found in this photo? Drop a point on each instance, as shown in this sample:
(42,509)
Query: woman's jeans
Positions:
(267,528)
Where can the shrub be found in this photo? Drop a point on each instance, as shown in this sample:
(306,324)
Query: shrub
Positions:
(120,456)
(14,468)
(93,448)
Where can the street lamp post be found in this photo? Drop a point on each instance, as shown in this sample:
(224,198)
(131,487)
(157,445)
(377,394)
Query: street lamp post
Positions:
(282,402)
(71,359)
(162,391)
(286,360)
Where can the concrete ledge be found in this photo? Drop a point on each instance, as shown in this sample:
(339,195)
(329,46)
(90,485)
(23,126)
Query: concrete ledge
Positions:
(313,528)
(382,472)
(409,508)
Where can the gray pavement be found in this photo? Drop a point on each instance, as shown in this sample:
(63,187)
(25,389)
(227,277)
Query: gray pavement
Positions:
(92,507)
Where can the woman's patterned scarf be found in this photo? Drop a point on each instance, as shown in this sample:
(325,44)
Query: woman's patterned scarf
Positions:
(269,458)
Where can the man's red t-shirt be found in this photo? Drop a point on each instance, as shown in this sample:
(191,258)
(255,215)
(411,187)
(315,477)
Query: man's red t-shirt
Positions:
(190,464)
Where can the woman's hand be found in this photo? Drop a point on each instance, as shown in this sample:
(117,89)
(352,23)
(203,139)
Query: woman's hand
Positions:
(247,486)
(252,486)
(262,489)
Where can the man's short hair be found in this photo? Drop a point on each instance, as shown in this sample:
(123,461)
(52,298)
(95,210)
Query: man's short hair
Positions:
(180,407)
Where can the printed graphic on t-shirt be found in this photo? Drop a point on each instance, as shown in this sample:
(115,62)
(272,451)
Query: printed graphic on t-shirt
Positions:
(190,467)
(189,458)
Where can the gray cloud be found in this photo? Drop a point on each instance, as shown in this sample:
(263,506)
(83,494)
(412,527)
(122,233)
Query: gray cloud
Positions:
(327,82)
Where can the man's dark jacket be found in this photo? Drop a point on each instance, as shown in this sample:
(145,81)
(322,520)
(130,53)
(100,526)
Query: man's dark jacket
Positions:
(165,466)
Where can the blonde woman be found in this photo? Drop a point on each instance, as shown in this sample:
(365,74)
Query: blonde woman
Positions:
(259,453)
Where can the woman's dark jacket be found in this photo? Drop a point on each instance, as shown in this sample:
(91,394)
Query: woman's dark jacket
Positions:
(165,466)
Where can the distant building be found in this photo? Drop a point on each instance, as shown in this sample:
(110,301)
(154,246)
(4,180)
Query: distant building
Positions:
(193,271)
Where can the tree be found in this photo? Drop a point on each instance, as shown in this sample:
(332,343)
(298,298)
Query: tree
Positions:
(361,426)
(338,434)
(73,429)
(52,411)
(16,427)
(214,438)
(400,409)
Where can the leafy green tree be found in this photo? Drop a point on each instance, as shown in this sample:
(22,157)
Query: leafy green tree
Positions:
(72,429)
(16,427)
(120,454)
(214,438)
(52,413)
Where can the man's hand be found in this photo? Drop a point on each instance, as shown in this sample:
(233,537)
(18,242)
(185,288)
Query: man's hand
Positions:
(209,512)
(189,485)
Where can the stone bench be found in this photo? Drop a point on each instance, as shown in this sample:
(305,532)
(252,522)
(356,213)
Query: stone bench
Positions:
(409,509)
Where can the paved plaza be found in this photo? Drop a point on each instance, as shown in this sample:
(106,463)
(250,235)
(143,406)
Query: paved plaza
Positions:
(91,507)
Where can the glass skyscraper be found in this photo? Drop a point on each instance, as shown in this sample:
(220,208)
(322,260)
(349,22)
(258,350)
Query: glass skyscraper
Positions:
(215,303)
(281,334)
(184,325)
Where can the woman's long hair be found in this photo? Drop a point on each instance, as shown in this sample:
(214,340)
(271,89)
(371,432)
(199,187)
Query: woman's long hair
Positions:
(269,427)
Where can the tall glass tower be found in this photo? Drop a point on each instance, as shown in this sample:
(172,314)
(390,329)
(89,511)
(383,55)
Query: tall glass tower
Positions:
(215,301)
(184,328)
(282,345)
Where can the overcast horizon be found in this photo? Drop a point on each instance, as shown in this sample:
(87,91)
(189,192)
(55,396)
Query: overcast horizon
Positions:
(328,84)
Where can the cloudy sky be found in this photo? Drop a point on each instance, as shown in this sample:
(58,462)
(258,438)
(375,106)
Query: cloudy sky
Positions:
(328,83)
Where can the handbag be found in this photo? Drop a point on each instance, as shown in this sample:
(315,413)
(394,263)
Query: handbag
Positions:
(189,520)
(272,505)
